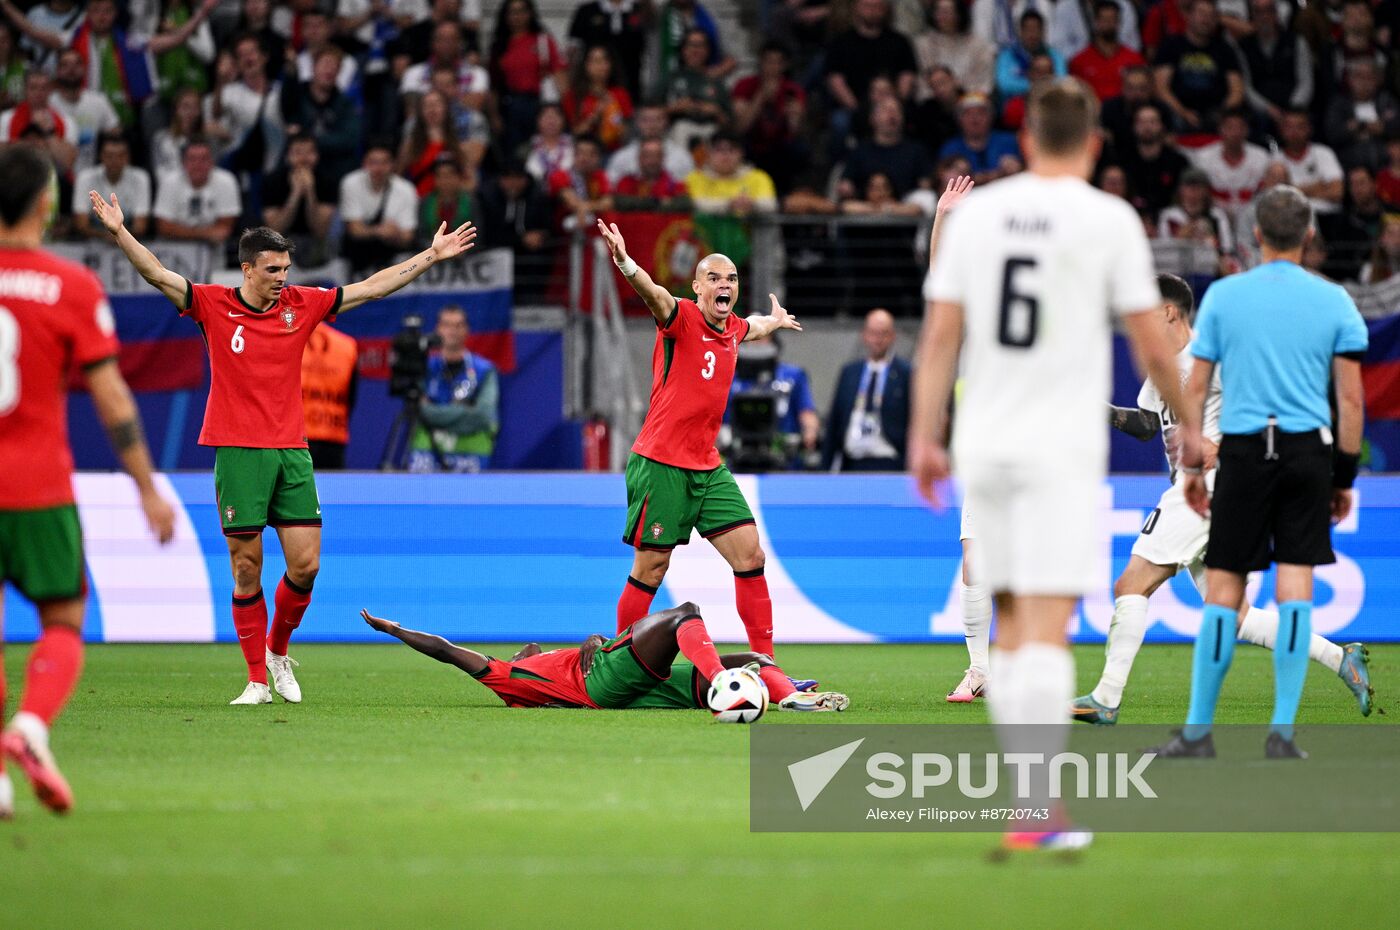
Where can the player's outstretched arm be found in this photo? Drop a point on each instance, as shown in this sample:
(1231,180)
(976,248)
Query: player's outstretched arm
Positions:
(473,663)
(109,214)
(445,245)
(777,318)
(1136,422)
(939,345)
(117,410)
(659,301)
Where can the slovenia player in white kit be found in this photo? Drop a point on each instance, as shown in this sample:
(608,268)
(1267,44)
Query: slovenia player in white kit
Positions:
(1027,276)
(1174,537)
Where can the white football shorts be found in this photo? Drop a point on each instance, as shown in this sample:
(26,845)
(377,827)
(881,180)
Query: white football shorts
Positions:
(1173,533)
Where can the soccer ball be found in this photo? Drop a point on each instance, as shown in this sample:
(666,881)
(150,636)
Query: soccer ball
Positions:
(738,695)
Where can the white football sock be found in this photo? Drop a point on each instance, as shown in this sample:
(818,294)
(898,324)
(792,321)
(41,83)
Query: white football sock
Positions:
(977,624)
(1260,627)
(1002,702)
(1125,635)
(1047,686)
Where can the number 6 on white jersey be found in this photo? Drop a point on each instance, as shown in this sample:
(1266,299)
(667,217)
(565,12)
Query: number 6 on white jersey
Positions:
(708,371)
(237,343)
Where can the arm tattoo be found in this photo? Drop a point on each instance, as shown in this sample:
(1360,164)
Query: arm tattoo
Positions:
(409,269)
(125,434)
(1139,424)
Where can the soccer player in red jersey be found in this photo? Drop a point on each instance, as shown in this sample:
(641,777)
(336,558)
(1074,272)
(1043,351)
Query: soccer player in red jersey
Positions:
(638,668)
(53,314)
(675,479)
(255,334)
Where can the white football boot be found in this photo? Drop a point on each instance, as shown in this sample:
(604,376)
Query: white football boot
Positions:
(972,687)
(282,678)
(255,693)
(7,797)
(815,701)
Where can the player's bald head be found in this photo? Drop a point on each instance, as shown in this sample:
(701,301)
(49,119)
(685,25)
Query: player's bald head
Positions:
(715,261)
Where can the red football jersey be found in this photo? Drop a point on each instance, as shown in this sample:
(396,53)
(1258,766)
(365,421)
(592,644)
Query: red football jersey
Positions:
(692,368)
(551,677)
(255,362)
(52,313)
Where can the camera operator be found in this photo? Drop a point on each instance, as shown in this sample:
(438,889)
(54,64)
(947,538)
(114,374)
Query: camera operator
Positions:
(771,421)
(458,412)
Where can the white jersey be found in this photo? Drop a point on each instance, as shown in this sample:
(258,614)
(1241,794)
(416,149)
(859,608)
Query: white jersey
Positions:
(1039,266)
(1150,399)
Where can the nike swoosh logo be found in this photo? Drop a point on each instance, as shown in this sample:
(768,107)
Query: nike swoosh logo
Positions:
(708,339)
(241,636)
(231,313)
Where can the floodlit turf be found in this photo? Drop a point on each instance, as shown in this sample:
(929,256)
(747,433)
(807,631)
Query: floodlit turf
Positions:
(402,794)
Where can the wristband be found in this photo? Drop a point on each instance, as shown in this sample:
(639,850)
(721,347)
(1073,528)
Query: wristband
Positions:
(628,268)
(1344,466)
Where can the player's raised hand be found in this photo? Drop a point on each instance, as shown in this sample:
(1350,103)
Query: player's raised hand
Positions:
(780,315)
(928,463)
(451,244)
(108,214)
(160,516)
(379,623)
(958,188)
(613,237)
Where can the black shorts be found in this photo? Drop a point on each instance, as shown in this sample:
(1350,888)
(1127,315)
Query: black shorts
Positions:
(1271,510)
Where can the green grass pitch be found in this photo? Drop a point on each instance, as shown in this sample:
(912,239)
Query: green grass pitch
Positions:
(402,794)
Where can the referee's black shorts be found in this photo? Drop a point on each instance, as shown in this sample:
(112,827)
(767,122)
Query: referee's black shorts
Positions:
(1268,510)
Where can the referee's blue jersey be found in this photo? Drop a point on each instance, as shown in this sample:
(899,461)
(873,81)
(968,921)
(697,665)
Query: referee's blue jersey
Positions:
(1273,331)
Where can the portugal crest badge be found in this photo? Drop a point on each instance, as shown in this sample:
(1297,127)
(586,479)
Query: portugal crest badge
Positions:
(656,531)
(289,316)
(228,514)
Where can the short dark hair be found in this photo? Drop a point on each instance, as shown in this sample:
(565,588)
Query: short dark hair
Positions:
(194,141)
(1284,217)
(455,308)
(1032,14)
(590,140)
(380,142)
(303,135)
(1177,292)
(111,137)
(261,239)
(1235,113)
(26,173)
(1062,115)
(1107,5)
(727,137)
(775,45)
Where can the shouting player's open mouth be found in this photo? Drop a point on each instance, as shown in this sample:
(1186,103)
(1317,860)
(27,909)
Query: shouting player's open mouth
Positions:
(723,299)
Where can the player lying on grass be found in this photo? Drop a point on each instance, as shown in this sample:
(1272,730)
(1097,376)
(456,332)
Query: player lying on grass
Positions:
(1174,537)
(638,668)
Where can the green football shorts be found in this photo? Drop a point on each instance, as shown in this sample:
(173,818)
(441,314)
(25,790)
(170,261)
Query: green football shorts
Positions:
(264,487)
(41,553)
(618,680)
(665,503)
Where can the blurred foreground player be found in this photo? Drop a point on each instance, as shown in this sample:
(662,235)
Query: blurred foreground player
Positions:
(1027,275)
(53,314)
(638,668)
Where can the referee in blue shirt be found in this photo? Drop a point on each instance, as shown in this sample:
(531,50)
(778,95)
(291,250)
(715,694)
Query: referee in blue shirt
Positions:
(1281,335)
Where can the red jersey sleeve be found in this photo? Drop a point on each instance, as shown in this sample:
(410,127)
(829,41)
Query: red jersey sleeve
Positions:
(197,300)
(323,302)
(94,329)
(680,319)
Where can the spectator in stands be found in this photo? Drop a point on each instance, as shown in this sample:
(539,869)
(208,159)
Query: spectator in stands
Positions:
(1354,229)
(329,385)
(113,173)
(1165,19)
(419,26)
(56,16)
(527,69)
(88,111)
(995,21)
(1315,256)
(460,409)
(677,19)
(322,109)
(315,39)
(1234,165)
(472,127)
(951,44)
(802,26)
(597,104)
(620,25)
(726,192)
(186,123)
(869,48)
(255,19)
(59,136)
(1385,255)
(1362,117)
(1198,73)
(515,214)
(1013,111)
(582,191)
(1103,60)
(651,124)
(13,67)
(905,164)
(868,424)
(1153,166)
(1314,167)
(449,51)
(769,111)
(379,209)
(1277,62)
(1112,179)
(369,28)
(1248,246)
(200,202)
(1354,39)
(652,187)
(878,198)
(1195,218)
(697,102)
(450,200)
(991,153)
(245,115)
(935,119)
(299,201)
(1117,115)
(552,148)
(1388,179)
(1074,26)
(1014,61)
(430,135)
(761,368)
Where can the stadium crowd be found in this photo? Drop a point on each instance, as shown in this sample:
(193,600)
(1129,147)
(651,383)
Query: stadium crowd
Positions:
(357,126)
